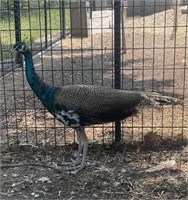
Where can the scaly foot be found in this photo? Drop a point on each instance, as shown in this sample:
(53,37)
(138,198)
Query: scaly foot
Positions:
(72,162)
(76,168)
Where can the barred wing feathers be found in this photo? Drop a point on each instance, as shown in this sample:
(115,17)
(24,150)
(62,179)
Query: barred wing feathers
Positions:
(95,104)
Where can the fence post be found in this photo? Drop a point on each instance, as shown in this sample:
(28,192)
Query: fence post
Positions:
(117,58)
(62,19)
(123,28)
(45,25)
(91,8)
(18,57)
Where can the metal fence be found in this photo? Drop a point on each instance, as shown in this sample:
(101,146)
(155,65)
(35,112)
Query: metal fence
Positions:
(106,47)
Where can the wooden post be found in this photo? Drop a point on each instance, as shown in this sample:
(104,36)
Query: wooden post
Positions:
(123,29)
(78,16)
(18,57)
(62,19)
(175,25)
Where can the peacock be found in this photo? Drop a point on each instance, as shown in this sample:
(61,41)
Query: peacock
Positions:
(78,106)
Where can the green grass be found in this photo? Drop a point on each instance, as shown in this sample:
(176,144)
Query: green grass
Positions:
(32,28)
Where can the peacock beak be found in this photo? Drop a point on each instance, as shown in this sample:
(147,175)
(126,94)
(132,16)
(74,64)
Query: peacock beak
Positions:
(13,49)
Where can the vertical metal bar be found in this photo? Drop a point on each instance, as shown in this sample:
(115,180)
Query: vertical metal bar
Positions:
(45,24)
(40,10)
(133,13)
(153,49)
(185,78)
(117,58)
(18,59)
(50,21)
(163,70)
(4,112)
(90,8)
(82,6)
(94,6)
(174,61)
(62,19)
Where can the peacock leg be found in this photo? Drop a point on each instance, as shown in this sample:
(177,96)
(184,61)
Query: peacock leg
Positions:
(78,158)
(83,147)
(79,153)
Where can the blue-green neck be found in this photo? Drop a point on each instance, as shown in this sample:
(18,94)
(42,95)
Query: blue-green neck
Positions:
(43,91)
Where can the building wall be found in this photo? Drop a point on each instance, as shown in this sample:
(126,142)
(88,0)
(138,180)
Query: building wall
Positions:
(147,7)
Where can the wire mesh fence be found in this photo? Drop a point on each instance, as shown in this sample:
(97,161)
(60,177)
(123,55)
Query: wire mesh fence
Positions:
(95,43)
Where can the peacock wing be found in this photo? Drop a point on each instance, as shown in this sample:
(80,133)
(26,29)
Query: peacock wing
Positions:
(116,108)
(97,104)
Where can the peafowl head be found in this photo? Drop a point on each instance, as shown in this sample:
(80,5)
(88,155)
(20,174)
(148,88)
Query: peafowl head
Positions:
(20,47)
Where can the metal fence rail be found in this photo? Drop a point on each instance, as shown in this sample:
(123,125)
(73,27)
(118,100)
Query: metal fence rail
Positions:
(153,61)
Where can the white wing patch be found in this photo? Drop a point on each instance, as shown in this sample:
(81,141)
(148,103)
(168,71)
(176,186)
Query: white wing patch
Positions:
(69,118)
(72,115)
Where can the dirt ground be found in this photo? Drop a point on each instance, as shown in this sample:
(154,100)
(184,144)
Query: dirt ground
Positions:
(152,62)
(114,171)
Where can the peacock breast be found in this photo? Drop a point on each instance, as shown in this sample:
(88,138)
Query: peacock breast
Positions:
(68,117)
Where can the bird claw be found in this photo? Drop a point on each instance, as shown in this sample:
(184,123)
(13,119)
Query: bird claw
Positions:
(74,166)
(72,163)
(75,169)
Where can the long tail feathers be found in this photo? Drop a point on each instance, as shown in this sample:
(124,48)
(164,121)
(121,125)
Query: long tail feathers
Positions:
(156,99)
